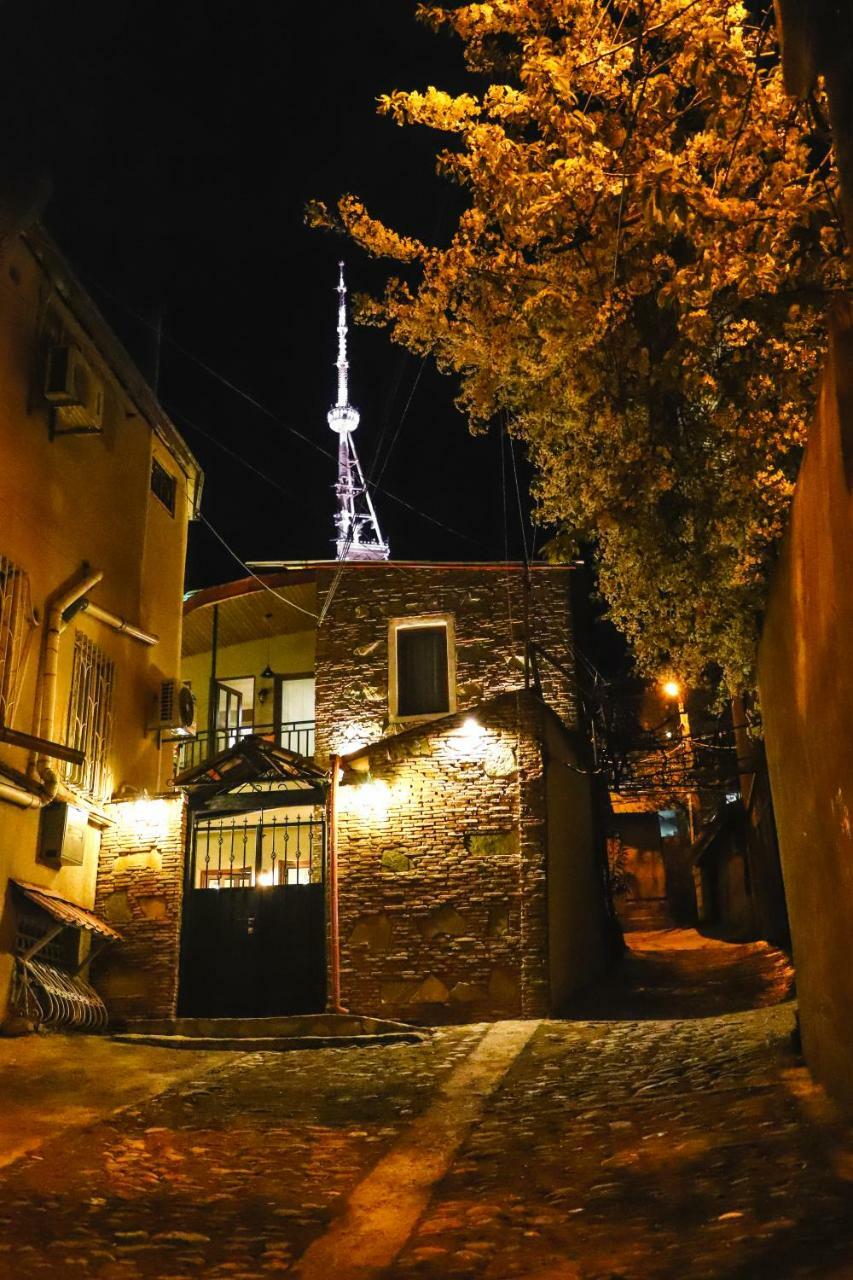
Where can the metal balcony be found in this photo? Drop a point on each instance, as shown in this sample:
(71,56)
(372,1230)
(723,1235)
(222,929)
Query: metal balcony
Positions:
(294,735)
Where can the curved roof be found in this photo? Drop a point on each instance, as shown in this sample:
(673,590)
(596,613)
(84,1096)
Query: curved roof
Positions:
(273,603)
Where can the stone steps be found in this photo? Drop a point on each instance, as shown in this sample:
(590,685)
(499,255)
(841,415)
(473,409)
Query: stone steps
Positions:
(255,1035)
(645,913)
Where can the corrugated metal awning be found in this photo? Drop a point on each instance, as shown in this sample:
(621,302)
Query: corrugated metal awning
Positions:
(66,912)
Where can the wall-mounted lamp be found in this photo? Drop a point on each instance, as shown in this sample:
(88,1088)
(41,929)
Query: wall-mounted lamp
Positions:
(368,799)
(468,738)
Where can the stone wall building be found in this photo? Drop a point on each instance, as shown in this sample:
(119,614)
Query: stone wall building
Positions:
(469,870)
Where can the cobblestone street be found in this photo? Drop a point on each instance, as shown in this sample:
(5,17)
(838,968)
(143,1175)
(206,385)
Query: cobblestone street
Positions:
(634,1147)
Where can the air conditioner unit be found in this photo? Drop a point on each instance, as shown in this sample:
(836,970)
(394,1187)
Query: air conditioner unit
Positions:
(75,391)
(175,711)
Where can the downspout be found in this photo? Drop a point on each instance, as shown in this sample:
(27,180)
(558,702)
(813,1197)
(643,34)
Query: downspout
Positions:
(55,606)
(23,799)
(334,922)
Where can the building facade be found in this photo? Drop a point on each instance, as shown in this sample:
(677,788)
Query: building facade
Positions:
(390,808)
(96,491)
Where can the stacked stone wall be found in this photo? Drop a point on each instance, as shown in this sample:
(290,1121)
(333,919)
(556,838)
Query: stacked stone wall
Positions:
(488,606)
(140,892)
(442,868)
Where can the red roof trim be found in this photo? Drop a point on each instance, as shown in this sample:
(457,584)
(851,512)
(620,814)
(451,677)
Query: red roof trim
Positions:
(66,912)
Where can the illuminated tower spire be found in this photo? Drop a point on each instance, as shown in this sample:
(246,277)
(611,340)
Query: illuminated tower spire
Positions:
(358,533)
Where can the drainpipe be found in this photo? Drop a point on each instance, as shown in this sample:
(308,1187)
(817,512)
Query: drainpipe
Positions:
(55,606)
(334,923)
(118,623)
(17,795)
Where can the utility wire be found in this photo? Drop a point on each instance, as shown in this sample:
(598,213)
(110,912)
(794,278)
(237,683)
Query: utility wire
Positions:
(374,484)
(238,457)
(266,586)
(269,413)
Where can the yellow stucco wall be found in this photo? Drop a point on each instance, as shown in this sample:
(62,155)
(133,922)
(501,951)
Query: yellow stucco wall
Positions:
(291,654)
(64,501)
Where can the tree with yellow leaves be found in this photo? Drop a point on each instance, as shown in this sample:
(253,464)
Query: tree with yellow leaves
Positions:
(637,283)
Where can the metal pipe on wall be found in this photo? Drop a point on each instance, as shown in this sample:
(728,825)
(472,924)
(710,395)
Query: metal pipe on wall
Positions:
(334,922)
(55,606)
(119,624)
(17,795)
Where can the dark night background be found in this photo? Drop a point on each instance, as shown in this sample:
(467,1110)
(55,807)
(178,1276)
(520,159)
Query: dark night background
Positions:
(183,141)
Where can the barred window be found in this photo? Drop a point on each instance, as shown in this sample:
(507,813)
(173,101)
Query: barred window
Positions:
(17,622)
(90,714)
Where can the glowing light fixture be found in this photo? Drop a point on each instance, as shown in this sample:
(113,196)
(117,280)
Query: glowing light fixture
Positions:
(468,739)
(369,799)
(148,818)
(265,879)
(672,689)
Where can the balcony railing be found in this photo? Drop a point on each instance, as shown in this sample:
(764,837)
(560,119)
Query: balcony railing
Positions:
(294,735)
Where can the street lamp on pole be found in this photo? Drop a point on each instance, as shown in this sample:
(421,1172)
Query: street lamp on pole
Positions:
(673,690)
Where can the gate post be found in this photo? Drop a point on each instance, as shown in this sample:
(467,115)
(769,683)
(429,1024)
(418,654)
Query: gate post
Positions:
(334,924)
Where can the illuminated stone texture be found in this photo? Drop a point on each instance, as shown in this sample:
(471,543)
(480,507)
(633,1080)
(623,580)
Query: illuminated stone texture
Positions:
(451,860)
(140,889)
(447,839)
(488,605)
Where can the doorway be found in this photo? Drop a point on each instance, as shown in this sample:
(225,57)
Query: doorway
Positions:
(254,936)
(295,711)
(233,706)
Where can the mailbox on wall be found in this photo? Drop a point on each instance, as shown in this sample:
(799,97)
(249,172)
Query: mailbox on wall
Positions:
(62,834)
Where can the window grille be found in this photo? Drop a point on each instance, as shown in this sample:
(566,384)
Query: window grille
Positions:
(163,486)
(90,716)
(16,628)
(62,951)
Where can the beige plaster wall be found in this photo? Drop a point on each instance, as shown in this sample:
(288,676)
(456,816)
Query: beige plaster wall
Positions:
(291,654)
(806,686)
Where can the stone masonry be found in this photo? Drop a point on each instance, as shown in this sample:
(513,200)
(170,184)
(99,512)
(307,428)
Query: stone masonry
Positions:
(140,892)
(442,866)
(488,604)
(443,854)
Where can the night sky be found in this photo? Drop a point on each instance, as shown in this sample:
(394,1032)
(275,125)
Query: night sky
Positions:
(183,141)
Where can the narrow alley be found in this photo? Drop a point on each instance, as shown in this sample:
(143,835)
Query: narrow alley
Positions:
(681,1136)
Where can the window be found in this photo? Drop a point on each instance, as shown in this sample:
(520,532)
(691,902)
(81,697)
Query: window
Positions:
(668,820)
(90,707)
(163,486)
(230,878)
(422,667)
(16,628)
(294,875)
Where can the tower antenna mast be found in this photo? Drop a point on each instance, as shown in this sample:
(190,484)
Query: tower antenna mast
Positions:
(358,534)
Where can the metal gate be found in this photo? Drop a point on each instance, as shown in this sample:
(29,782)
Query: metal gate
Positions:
(253,941)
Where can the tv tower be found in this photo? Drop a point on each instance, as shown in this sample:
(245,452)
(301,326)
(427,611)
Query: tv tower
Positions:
(358,534)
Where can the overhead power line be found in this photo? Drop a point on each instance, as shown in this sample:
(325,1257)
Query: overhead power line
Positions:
(266,586)
(269,413)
